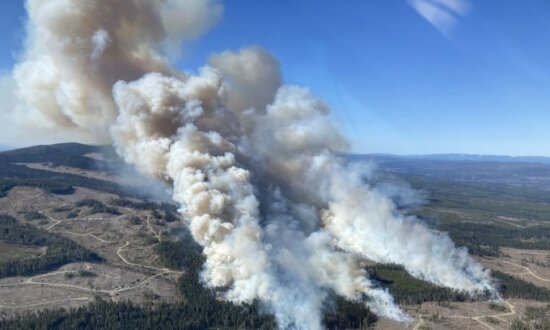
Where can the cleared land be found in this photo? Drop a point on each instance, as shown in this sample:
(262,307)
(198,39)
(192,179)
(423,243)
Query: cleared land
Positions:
(504,224)
(126,241)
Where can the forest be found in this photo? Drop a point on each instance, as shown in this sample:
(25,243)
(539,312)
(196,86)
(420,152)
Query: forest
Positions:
(513,287)
(409,290)
(60,250)
(13,174)
(474,205)
(199,309)
(96,206)
(143,205)
(485,239)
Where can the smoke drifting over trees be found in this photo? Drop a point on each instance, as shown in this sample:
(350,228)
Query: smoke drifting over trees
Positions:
(253,163)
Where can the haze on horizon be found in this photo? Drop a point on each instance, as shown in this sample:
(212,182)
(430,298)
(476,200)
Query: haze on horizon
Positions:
(401,77)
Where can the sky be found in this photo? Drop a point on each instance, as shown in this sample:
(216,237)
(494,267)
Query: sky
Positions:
(402,77)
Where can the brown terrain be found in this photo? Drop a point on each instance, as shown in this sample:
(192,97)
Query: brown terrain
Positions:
(132,272)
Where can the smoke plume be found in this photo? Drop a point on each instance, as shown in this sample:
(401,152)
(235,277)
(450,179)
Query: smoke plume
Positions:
(253,163)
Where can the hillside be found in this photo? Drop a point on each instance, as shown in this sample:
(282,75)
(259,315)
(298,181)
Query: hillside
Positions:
(79,240)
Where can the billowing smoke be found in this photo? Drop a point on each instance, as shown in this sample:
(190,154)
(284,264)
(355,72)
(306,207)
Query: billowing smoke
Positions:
(76,50)
(253,163)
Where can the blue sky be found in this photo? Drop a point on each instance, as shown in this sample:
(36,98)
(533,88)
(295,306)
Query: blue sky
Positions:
(395,82)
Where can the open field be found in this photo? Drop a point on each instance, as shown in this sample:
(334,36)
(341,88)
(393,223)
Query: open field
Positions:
(457,316)
(529,265)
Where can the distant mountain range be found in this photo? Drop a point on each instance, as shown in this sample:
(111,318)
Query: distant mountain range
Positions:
(526,172)
(461,157)
(381,156)
(517,171)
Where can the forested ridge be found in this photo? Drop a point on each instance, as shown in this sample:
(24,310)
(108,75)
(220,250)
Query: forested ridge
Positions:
(144,205)
(513,287)
(486,239)
(63,154)
(67,154)
(60,250)
(409,290)
(470,223)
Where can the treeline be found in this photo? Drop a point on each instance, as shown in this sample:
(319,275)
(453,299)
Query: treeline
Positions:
(513,287)
(51,186)
(57,183)
(12,175)
(200,308)
(485,239)
(485,199)
(186,253)
(125,315)
(349,315)
(344,315)
(67,154)
(97,206)
(34,215)
(169,210)
(177,254)
(60,250)
(64,154)
(143,205)
(409,290)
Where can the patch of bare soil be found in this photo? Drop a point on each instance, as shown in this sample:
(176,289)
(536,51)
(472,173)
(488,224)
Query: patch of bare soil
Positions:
(79,283)
(486,316)
(130,272)
(530,265)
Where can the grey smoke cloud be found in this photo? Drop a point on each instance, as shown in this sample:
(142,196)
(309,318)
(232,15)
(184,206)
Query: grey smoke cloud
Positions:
(15,124)
(7,93)
(77,50)
(252,77)
(254,163)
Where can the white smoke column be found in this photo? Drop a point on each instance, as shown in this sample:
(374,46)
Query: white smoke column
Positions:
(157,131)
(294,140)
(165,127)
(253,163)
(367,223)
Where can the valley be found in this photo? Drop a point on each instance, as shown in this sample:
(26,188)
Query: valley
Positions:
(81,237)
